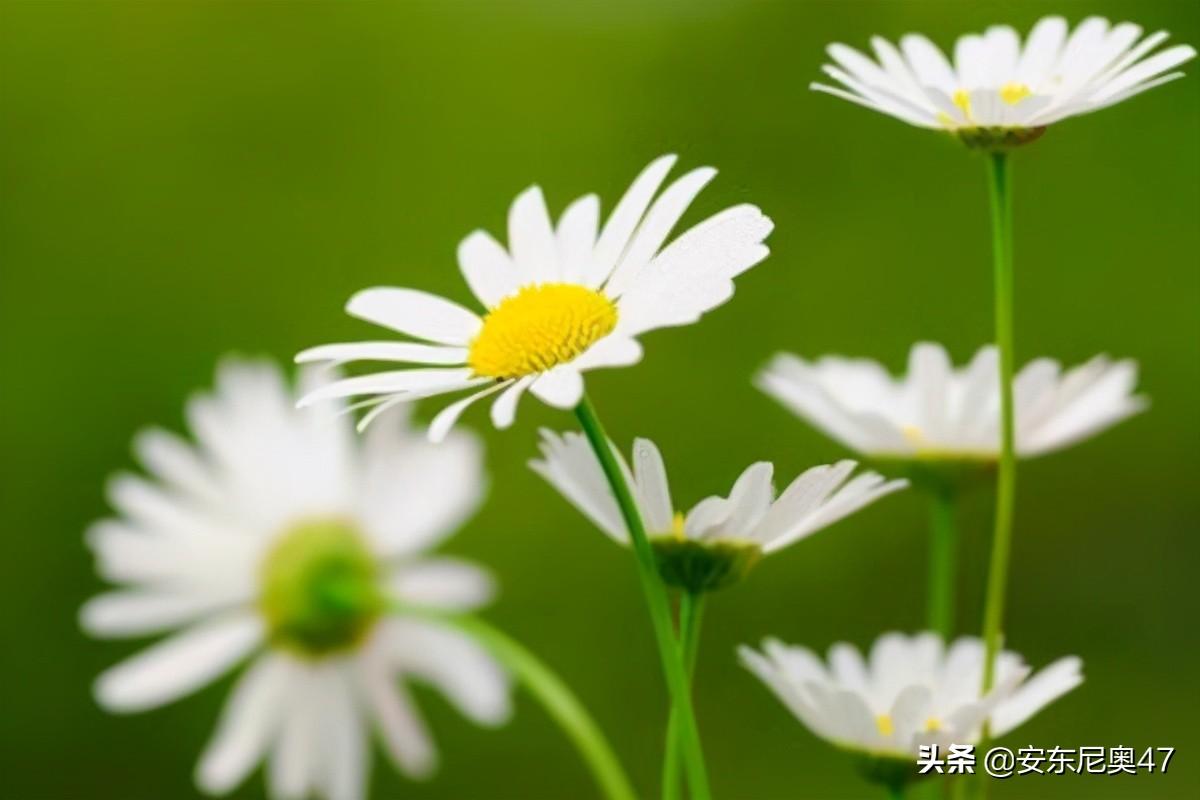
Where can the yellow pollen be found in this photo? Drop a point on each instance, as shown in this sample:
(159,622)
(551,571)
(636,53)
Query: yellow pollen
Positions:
(884,723)
(933,724)
(539,327)
(1013,93)
(962,99)
(914,434)
(677,526)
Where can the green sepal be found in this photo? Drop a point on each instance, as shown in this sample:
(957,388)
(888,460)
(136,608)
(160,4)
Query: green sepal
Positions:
(997,138)
(698,567)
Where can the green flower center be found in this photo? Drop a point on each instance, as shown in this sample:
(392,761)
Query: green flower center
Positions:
(320,590)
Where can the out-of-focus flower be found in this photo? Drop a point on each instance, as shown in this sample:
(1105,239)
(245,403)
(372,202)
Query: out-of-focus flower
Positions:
(281,538)
(910,691)
(939,413)
(559,301)
(998,91)
(721,538)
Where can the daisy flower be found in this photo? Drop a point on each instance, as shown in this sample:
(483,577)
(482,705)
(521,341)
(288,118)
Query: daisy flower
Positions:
(941,413)
(999,92)
(910,690)
(721,538)
(282,539)
(559,301)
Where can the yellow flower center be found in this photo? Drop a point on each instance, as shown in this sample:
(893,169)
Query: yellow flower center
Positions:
(677,526)
(933,725)
(539,327)
(962,99)
(884,723)
(1013,93)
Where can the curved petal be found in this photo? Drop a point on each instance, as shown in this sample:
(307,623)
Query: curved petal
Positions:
(416,313)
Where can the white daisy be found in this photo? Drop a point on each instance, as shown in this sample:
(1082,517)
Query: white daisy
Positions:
(279,537)
(721,538)
(910,691)
(939,412)
(997,91)
(559,301)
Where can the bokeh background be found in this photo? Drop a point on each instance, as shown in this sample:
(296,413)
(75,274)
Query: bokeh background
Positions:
(185,179)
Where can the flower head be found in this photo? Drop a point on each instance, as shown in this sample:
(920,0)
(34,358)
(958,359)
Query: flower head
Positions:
(281,538)
(911,690)
(1000,92)
(721,538)
(941,413)
(561,300)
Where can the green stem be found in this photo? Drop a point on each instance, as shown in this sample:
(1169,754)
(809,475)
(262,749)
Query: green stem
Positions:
(943,562)
(895,792)
(669,651)
(1000,185)
(691,609)
(554,695)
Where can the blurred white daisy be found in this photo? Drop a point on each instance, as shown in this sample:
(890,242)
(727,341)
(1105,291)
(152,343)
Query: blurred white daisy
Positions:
(910,691)
(999,91)
(721,538)
(280,538)
(559,301)
(939,412)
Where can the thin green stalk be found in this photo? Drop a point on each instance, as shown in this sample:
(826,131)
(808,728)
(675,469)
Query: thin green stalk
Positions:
(943,561)
(659,604)
(1000,186)
(691,609)
(554,695)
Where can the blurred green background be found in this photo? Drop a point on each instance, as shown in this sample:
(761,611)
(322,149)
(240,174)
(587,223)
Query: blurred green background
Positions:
(183,179)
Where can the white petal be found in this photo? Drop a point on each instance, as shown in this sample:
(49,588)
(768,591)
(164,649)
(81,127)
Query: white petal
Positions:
(611,351)
(487,268)
(449,415)
(179,665)
(140,612)
(650,477)
(576,237)
(504,410)
(928,63)
(656,227)
(571,467)
(250,719)
(443,583)
(344,742)
(1155,65)
(531,238)
(456,665)
(405,737)
(561,387)
(410,352)
(614,237)
(295,760)
(1045,687)
(416,382)
(416,313)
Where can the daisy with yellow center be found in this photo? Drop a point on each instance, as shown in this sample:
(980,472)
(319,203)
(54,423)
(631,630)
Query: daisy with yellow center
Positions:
(560,300)
(907,692)
(998,91)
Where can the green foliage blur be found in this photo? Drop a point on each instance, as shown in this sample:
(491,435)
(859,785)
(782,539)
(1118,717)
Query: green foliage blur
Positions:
(185,179)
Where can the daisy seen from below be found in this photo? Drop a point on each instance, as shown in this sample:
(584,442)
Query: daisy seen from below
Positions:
(1000,91)
(282,539)
(940,412)
(720,538)
(909,691)
(560,300)
(716,543)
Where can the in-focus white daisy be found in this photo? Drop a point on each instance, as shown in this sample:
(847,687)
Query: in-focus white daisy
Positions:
(281,538)
(559,301)
(910,691)
(999,91)
(939,412)
(721,538)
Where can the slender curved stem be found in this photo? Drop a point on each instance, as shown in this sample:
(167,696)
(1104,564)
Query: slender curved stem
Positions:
(943,561)
(669,650)
(691,610)
(1000,186)
(554,695)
